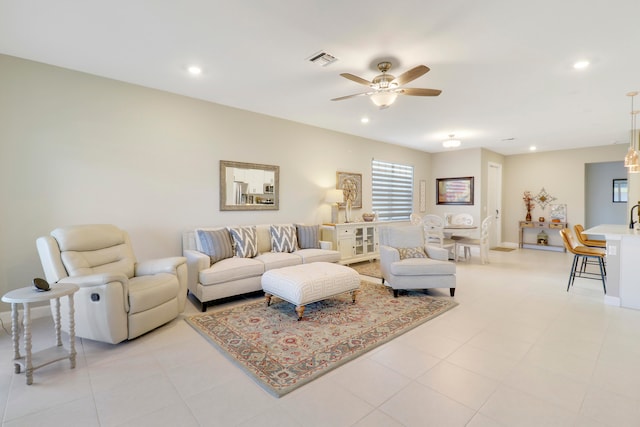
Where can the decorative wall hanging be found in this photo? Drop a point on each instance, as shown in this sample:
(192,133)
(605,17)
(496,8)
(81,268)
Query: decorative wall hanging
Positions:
(543,198)
(454,191)
(351,184)
(423,195)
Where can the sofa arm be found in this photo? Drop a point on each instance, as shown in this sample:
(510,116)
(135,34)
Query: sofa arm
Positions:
(161,265)
(435,252)
(196,262)
(388,255)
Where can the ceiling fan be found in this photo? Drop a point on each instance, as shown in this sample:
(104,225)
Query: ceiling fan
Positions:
(385,88)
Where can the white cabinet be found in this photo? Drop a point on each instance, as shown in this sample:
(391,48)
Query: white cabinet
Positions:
(356,241)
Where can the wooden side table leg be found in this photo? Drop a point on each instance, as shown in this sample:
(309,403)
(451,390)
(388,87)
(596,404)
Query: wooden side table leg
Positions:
(72,332)
(15,336)
(27,343)
(56,321)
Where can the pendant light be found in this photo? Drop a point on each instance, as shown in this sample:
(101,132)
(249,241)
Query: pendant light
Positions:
(631,160)
(451,142)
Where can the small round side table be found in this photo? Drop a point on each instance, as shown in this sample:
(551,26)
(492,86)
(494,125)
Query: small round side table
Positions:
(26,296)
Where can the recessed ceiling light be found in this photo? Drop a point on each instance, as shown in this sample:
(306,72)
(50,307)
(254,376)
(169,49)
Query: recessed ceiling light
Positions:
(195,70)
(532,148)
(581,65)
(364,120)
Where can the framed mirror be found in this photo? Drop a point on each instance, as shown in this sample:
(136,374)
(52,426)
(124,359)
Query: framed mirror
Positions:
(249,186)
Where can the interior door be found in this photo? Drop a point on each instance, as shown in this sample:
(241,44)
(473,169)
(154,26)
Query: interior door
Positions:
(494,203)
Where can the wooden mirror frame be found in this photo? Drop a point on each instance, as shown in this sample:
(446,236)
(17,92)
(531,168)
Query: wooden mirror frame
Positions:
(226,167)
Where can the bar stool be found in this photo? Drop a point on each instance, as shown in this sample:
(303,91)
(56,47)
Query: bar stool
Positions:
(586,253)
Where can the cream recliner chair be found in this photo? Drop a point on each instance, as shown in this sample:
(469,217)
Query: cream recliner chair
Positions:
(431,270)
(119,298)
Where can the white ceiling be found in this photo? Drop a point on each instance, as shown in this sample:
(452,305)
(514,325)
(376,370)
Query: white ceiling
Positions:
(504,66)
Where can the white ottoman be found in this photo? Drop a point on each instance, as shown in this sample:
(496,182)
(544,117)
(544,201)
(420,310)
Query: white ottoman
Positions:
(306,283)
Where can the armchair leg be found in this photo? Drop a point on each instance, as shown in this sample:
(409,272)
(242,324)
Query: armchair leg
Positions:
(452,291)
(395,293)
(383,280)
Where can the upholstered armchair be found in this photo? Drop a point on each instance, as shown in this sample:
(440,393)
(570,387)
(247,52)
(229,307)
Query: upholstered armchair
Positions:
(119,298)
(407,263)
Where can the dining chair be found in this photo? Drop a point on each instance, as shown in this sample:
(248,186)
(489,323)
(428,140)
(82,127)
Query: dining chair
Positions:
(482,243)
(583,253)
(433,226)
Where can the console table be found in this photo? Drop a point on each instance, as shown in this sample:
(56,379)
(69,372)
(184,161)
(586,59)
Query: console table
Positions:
(535,227)
(27,296)
(356,241)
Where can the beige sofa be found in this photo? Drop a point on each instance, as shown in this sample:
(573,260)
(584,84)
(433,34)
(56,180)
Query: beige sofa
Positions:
(211,278)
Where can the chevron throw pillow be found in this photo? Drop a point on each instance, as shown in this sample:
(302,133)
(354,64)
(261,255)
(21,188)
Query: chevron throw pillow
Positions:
(245,241)
(283,238)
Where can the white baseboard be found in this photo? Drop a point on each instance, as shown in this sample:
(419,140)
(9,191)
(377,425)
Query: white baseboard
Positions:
(615,301)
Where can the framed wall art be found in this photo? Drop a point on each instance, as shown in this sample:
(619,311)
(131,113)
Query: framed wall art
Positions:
(454,191)
(351,184)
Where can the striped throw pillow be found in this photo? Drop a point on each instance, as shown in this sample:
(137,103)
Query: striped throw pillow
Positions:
(283,238)
(216,244)
(308,236)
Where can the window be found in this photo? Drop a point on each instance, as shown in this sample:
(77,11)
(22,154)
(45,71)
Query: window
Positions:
(392,189)
(620,191)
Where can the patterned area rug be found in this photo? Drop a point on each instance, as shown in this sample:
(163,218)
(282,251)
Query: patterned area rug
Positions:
(282,353)
(368,268)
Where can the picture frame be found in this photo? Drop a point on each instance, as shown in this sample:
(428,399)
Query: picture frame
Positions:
(620,191)
(353,182)
(558,212)
(454,191)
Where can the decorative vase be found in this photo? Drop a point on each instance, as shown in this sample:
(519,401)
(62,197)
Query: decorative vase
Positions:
(528,217)
(347,211)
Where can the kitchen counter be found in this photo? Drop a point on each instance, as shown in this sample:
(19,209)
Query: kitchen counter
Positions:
(623,268)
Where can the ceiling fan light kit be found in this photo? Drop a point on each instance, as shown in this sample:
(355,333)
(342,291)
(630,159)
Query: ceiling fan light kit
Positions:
(385,88)
(451,142)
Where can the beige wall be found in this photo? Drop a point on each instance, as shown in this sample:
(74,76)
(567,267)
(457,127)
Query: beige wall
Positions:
(560,173)
(76,148)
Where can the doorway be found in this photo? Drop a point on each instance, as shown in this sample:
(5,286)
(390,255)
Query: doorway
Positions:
(494,203)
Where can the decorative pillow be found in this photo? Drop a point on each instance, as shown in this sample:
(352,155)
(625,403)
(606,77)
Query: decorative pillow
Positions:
(283,238)
(245,240)
(308,236)
(216,244)
(412,253)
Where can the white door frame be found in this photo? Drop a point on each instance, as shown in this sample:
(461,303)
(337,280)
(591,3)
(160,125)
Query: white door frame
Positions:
(494,202)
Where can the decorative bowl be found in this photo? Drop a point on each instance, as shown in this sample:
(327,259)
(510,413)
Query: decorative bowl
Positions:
(368,217)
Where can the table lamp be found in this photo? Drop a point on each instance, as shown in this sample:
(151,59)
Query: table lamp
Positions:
(334,197)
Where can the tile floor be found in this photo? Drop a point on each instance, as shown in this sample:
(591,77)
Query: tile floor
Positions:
(518,351)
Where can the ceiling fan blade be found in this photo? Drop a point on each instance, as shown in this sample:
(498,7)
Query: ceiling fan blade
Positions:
(351,96)
(356,79)
(411,75)
(414,91)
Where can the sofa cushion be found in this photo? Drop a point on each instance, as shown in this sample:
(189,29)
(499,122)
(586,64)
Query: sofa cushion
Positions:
(147,292)
(422,267)
(216,243)
(317,255)
(231,269)
(245,240)
(283,238)
(412,253)
(308,236)
(273,260)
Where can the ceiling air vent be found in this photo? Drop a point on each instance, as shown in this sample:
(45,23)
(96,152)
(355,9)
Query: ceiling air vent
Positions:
(322,58)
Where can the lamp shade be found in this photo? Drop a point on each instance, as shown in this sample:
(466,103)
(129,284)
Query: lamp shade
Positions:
(384,98)
(334,196)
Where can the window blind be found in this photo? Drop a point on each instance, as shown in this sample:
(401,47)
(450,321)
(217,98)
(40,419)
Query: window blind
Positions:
(392,189)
